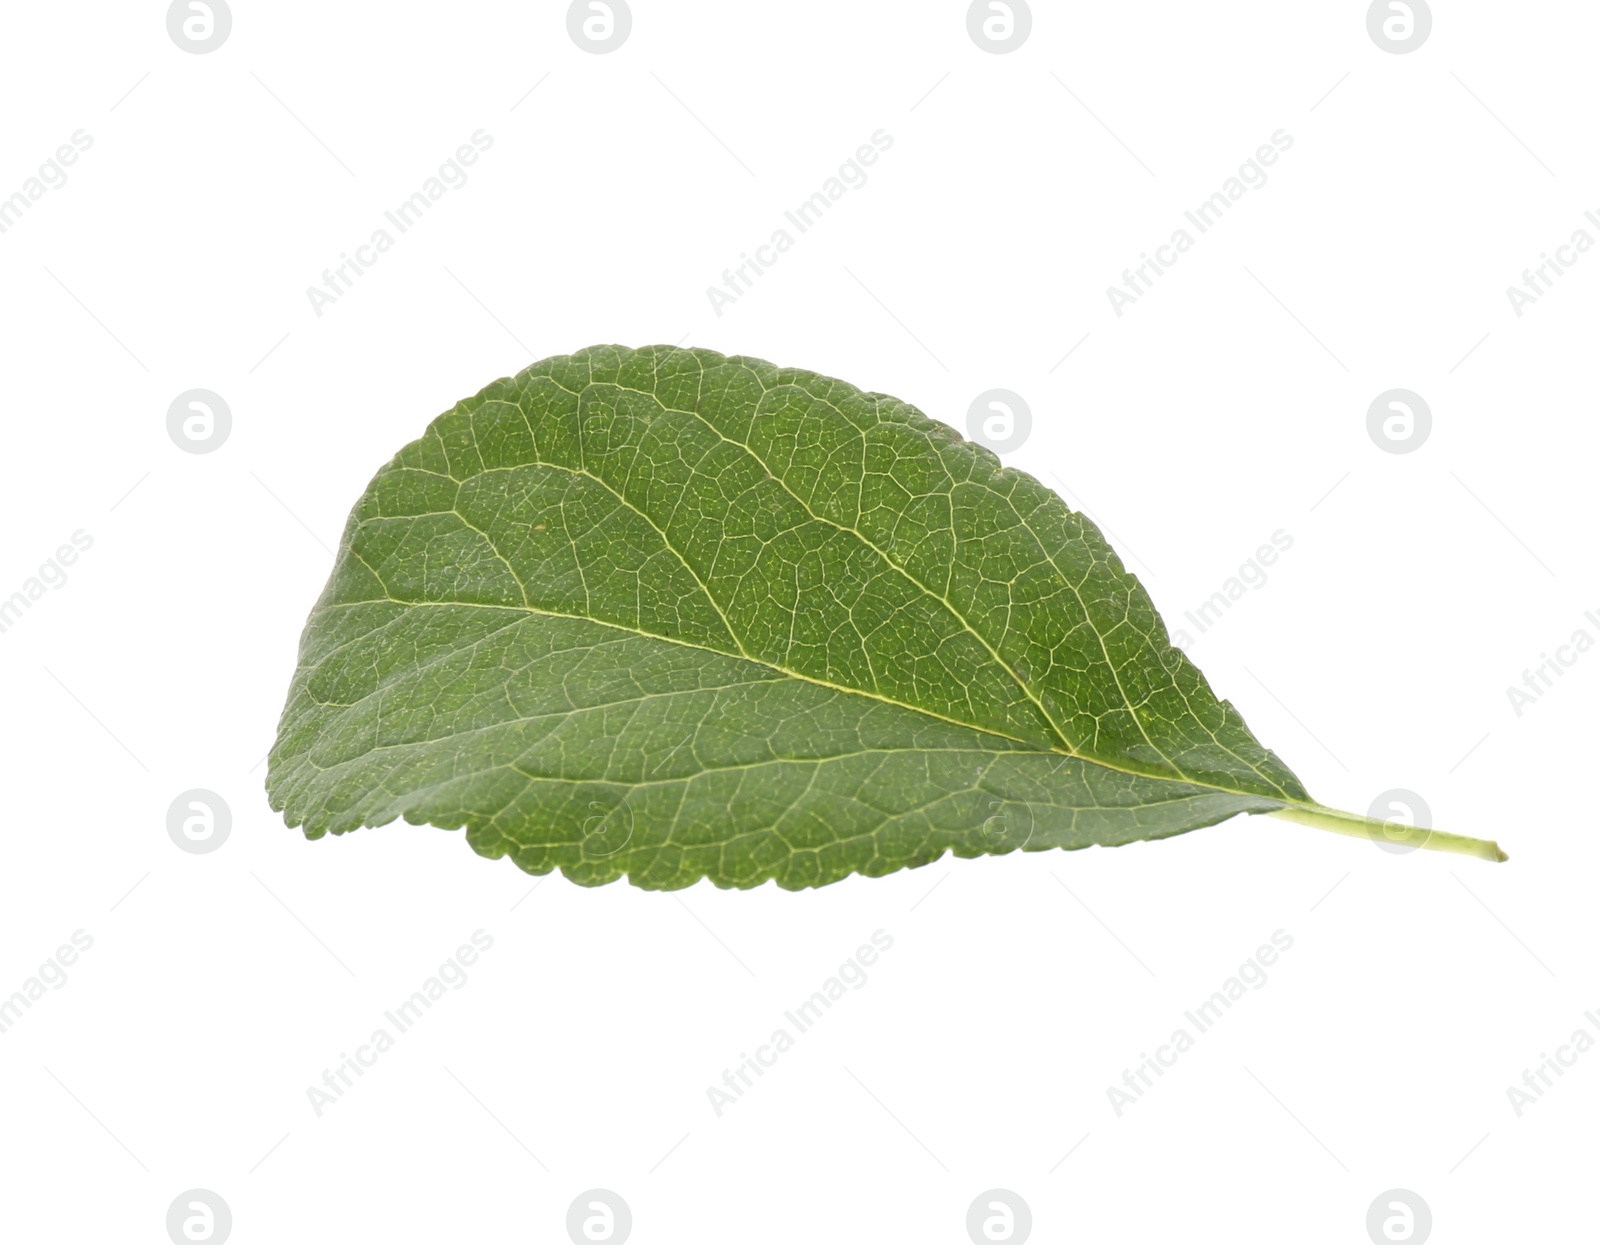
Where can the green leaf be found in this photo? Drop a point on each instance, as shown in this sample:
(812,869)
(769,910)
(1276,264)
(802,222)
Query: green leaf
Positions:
(668,614)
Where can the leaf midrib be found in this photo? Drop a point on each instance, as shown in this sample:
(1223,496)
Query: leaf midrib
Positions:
(1131,769)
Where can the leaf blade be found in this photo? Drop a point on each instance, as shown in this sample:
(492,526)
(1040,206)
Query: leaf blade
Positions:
(825,556)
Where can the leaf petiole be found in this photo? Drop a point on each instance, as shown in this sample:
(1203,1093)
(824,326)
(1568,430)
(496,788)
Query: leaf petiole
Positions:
(1399,834)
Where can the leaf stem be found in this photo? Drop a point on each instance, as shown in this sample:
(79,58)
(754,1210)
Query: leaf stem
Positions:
(1400,835)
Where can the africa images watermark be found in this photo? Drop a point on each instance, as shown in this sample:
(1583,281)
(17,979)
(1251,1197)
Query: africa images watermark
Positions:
(452,175)
(52,175)
(452,973)
(1539,680)
(1252,973)
(851,175)
(852,973)
(52,973)
(52,573)
(1252,175)
(1252,574)
(1540,279)
(1537,1079)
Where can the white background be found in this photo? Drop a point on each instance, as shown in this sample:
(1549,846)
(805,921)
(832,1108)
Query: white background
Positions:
(1223,406)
